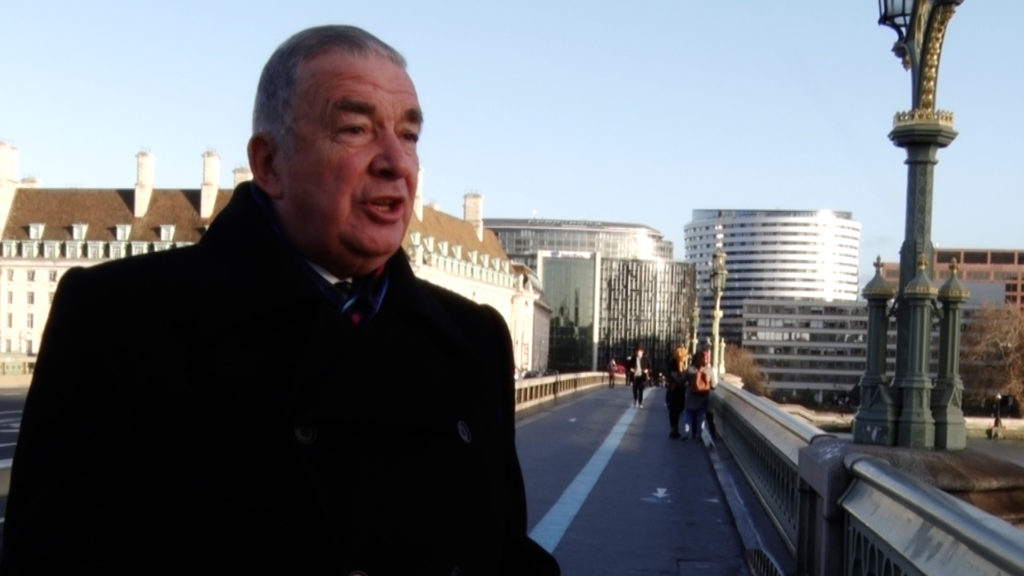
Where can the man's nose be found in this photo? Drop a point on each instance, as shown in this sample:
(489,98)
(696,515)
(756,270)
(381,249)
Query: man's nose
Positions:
(395,159)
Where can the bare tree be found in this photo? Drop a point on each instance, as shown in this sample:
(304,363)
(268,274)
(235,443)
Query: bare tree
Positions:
(740,362)
(992,359)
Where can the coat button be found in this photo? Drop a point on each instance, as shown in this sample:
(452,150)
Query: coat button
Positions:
(464,432)
(357,573)
(305,435)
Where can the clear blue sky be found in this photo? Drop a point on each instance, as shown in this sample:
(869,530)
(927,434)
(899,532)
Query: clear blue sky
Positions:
(619,111)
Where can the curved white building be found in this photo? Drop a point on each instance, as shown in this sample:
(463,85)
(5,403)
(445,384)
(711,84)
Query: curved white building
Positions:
(775,254)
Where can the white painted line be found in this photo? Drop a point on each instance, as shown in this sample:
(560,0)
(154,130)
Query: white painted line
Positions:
(6,462)
(8,445)
(549,531)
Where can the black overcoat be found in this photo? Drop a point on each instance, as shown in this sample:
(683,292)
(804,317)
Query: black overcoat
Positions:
(208,408)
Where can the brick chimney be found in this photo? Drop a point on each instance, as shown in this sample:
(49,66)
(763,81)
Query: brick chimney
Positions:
(241,174)
(211,183)
(143,183)
(473,212)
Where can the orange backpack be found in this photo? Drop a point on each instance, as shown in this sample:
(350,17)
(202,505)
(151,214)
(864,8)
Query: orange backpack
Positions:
(702,383)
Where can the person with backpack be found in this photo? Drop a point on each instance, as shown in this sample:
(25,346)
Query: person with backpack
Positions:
(699,383)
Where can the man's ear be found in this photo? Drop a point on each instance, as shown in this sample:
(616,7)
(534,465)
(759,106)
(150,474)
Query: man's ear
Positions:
(263,155)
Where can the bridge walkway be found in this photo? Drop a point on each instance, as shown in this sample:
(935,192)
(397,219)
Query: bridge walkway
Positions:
(611,494)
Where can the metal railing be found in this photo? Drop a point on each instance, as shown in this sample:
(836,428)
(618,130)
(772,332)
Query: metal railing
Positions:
(842,512)
(533,391)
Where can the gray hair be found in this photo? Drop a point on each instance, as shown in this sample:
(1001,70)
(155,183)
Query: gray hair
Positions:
(275,93)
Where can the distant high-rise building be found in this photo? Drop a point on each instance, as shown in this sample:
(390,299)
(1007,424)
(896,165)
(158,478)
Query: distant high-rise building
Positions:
(610,286)
(773,254)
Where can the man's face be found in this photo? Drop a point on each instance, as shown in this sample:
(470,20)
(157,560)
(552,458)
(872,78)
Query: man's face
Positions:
(345,189)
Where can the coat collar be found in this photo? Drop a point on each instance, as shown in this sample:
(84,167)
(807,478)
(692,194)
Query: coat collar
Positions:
(261,274)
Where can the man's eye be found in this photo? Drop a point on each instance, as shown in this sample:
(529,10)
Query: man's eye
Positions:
(413,137)
(355,130)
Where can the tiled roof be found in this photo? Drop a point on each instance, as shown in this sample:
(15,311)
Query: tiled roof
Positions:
(104,209)
(445,227)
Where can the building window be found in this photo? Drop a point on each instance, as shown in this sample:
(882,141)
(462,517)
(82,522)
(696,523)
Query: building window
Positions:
(51,250)
(53,275)
(30,298)
(29,321)
(94,250)
(74,249)
(10,273)
(35,231)
(51,297)
(166,232)
(10,320)
(122,231)
(10,297)
(78,231)
(30,275)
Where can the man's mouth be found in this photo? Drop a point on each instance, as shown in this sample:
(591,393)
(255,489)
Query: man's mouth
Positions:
(385,204)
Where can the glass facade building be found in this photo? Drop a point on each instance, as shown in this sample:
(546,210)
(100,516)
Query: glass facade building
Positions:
(610,287)
(523,238)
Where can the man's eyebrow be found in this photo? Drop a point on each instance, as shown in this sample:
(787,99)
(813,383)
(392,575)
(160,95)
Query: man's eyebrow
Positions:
(356,106)
(412,115)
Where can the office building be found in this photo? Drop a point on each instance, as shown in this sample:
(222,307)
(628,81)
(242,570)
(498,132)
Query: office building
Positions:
(773,254)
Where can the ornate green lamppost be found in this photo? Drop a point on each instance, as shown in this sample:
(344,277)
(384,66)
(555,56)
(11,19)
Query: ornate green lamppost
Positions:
(718,274)
(694,324)
(921,28)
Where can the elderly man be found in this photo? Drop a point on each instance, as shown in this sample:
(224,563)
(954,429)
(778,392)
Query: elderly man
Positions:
(235,406)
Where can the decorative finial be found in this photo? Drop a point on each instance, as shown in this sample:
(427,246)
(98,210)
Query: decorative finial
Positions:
(954,267)
(878,264)
(922,262)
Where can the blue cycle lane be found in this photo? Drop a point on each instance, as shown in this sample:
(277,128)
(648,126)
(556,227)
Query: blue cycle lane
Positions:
(610,493)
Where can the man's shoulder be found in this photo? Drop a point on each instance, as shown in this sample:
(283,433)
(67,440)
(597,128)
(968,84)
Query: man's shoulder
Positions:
(150,270)
(455,303)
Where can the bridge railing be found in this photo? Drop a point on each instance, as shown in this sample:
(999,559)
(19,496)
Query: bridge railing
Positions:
(847,513)
(533,391)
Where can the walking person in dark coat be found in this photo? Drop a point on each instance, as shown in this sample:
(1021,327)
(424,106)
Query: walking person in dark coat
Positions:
(221,407)
(638,367)
(675,392)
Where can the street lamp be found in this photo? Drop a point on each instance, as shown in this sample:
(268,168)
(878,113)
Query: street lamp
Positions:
(920,27)
(694,323)
(718,274)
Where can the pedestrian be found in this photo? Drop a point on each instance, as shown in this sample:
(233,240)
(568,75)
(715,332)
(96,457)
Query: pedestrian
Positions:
(675,391)
(613,369)
(699,383)
(222,407)
(639,368)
